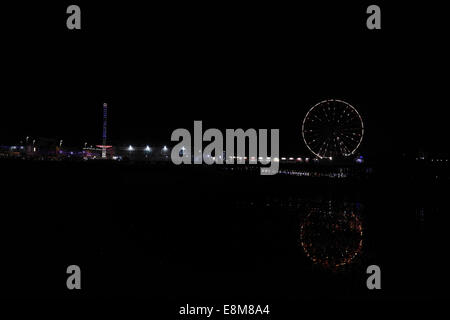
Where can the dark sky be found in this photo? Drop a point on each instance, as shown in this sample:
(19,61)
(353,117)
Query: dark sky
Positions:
(162,66)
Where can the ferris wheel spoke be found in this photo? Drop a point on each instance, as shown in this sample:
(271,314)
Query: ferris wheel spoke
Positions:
(327,144)
(345,147)
(341,147)
(319,125)
(349,139)
(316,145)
(337,144)
(324,144)
(352,129)
(315,136)
(324,110)
(347,121)
(347,136)
(348,145)
(312,132)
(316,117)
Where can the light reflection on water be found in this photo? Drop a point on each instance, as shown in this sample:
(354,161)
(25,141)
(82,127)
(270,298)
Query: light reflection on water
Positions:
(331,234)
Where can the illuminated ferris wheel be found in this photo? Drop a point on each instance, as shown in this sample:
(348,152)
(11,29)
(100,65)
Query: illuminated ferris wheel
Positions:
(332,128)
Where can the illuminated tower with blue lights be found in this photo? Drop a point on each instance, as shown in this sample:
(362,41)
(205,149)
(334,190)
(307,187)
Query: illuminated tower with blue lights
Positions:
(105,122)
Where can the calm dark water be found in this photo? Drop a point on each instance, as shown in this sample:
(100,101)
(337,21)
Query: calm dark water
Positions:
(176,233)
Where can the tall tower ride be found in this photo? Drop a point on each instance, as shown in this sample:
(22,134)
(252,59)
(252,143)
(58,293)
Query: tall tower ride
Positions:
(105,123)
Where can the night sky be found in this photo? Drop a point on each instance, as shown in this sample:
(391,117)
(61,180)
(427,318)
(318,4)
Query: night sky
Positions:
(161,67)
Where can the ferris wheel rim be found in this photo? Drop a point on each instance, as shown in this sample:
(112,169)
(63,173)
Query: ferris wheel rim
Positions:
(332,100)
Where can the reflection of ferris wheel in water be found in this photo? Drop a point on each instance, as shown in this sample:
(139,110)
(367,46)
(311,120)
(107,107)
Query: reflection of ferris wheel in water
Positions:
(332,128)
(332,237)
